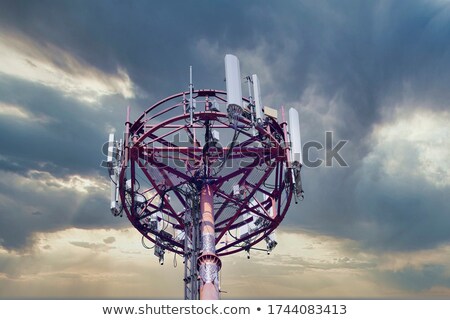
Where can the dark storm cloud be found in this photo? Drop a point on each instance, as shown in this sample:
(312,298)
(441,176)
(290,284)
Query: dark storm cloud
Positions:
(416,280)
(150,40)
(69,142)
(359,58)
(367,58)
(363,50)
(28,206)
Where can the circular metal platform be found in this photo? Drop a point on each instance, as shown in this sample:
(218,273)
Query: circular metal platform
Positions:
(171,158)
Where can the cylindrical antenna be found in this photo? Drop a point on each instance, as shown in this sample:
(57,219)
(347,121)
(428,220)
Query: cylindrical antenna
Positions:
(233,80)
(249,84)
(296,140)
(257,97)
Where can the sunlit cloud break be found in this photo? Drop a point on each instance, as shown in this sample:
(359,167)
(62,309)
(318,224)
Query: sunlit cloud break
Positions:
(414,144)
(48,65)
(109,263)
(21,114)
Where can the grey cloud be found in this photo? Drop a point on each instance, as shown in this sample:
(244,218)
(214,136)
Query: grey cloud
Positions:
(109,240)
(417,280)
(402,214)
(136,35)
(71,142)
(365,51)
(373,60)
(89,245)
(60,208)
(362,59)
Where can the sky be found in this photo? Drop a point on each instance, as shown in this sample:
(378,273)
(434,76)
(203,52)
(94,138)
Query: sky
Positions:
(374,73)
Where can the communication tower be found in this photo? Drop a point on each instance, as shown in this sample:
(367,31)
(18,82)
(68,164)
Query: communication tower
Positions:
(207,173)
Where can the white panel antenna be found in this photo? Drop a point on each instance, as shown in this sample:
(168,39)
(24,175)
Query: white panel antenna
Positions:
(215,135)
(156,220)
(160,220)
(296,140)
(271,242)
(250,226)
(139,199)
(111,151)
(111,162)
(215,106)
(257,95)
(179,234)
(233,80)
(128,185)
(271,239)
(270,208)
(244,230)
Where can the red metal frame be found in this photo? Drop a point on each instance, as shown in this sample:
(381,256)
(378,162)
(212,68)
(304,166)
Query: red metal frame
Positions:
(155,130)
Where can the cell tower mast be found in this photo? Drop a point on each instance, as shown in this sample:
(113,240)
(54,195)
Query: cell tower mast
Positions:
(207,173)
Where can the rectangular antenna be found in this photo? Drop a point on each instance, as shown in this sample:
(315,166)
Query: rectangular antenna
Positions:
(270,112)
(250,226)
(233,80)
(257,97)
(296,140)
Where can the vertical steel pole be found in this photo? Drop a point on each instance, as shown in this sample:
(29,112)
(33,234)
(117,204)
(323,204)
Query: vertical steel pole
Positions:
(287,139)
(191,250)
(252,105)
(191,100)
(126,138)
(209,263)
